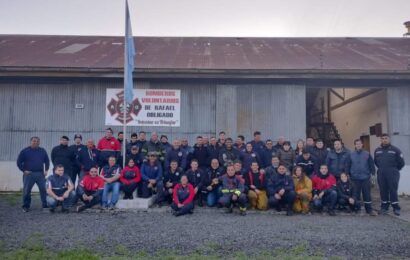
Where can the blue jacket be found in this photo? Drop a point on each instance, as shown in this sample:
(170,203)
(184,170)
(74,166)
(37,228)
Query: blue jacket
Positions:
(149,172)
(388,159)
(277,182)
(58,184)
(32,160)
(360,165)
(88,159)
(248,158)
(336,162)
(266,156)
(178,155)
(308,165)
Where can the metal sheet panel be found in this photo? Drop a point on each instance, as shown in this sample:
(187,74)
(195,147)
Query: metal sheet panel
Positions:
(274,110)
(212,53)
(398,109)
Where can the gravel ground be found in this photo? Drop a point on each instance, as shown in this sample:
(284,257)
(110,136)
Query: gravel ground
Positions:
(207,231)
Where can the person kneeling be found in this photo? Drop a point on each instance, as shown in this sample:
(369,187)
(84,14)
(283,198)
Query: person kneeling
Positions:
(90,190)
(183,198)
(232,191)
(324,190)
(255,183)
(59,190)
(303,188)
(281,190)
(111,176)
(345,194)
(130,177)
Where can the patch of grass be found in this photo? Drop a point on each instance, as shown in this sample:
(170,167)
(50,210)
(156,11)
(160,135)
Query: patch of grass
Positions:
(11,198)
(100,240)
(122,250)
(35,242)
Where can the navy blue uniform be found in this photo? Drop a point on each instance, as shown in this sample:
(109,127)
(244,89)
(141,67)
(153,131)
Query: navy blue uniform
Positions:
(360,167)
(62,154)
(88,158)
(34,161)
(59,185)
(277,182)
(389,161)
(198,180)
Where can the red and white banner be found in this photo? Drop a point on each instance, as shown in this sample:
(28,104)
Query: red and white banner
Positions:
(150,107)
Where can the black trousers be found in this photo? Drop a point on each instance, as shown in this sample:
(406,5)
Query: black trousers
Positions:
(129,189)
(287,200)
(388,181)
(362,189)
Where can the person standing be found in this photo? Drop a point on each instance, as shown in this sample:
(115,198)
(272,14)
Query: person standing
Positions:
(88,158)
(33,161)
(336,159)
(76,149)
(62,154)
(389,161)
(360,167)
(108,146)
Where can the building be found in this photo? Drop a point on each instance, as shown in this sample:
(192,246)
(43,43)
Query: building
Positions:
(324,87)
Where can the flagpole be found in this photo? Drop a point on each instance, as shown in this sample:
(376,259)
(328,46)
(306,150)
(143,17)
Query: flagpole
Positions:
(125,83)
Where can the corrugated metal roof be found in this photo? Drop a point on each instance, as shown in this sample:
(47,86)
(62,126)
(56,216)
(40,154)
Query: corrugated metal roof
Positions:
(207,53)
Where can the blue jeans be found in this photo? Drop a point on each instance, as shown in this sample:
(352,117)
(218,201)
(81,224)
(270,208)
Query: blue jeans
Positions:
(115,188)
(330,198)
(28,182)
(53,203)
(213,197)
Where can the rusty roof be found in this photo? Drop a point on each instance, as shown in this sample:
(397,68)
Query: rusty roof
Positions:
(206,53)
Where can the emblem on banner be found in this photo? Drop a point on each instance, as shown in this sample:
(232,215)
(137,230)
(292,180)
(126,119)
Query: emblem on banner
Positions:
(115,107)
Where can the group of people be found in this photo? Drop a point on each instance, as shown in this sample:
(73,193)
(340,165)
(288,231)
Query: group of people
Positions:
(214,171)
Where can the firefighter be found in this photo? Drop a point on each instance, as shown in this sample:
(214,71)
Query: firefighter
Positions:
(281,190)
(232,191)
(183,198)
(389,161)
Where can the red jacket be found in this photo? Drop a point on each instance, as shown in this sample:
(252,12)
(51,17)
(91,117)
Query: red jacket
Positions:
(89,183)
(130,175)
(321,184)
(111,144)
(188,192)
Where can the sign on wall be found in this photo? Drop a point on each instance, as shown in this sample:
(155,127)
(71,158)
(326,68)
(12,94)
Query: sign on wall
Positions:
(150,107)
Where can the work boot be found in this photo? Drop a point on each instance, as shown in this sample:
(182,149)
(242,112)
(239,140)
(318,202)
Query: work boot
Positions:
(371,213)
(229,209)
(289,212)
(331,212)
(396,211)
(81,208)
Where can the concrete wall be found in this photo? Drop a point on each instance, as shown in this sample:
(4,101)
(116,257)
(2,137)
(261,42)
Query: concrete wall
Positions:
(46,108)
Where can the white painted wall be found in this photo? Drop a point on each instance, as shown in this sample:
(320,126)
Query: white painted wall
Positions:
(12,178)
(355,119)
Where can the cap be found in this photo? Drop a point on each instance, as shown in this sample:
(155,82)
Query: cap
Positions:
(152,154)
(134,147)
(78,136)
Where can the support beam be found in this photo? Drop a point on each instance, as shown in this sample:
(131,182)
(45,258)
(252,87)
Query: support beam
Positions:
(350,100)
(337,94)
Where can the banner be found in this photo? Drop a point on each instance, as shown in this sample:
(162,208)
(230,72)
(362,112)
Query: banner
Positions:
(150,107)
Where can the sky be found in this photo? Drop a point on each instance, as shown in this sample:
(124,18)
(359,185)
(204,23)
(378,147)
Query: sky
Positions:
(244,18)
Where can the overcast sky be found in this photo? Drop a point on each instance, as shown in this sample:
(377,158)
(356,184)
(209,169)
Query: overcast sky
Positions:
(265,18)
